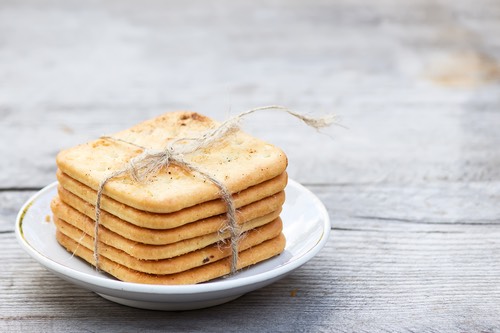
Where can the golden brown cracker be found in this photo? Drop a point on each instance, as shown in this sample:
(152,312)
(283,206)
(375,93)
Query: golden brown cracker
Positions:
(175,219)
(141,250)
(237,159)
(177,264)
(266,210)
(253,255)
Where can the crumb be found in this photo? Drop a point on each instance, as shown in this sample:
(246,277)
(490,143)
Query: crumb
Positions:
(66,129)
(47,218)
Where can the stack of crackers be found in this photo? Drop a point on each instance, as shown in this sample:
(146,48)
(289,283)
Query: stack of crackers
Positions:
(170,228)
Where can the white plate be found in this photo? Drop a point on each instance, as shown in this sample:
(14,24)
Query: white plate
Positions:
(305,224)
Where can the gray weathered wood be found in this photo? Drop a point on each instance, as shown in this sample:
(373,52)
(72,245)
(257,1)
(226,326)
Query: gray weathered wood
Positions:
(412,185)
(423,279)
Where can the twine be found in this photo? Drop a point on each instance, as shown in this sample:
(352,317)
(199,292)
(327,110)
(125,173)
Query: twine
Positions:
(150,162)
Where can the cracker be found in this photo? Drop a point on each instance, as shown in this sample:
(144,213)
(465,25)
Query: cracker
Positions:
(237,159)
(177,264)
(147,251)
(266,209)
(175,219)
(253,255)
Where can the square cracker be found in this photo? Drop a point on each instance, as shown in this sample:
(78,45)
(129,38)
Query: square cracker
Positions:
(176,264)
(261,210)
(251,256)
(175,219)
(238,160)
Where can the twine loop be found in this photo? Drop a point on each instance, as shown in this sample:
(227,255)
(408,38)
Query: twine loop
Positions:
(150,162)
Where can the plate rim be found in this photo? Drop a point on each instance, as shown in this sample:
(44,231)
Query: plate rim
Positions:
(206,287)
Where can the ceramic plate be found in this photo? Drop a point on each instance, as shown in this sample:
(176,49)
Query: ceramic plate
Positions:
(305,224)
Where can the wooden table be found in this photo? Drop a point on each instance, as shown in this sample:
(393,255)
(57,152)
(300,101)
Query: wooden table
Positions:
(412,184)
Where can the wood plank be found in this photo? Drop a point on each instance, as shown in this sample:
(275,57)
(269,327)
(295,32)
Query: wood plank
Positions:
(389,206)
(388,146)
(434,279)
(10,204)
(401,206)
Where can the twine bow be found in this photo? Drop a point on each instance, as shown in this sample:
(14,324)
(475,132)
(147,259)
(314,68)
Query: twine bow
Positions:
(150,162)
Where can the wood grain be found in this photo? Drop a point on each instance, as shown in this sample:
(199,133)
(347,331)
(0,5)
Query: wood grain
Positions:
(419,280)
(411,182)
(368,64)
